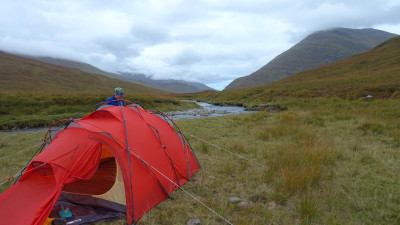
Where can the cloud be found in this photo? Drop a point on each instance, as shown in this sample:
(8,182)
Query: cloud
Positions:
(211,41)
(120,46)
(150,34)
(186,57)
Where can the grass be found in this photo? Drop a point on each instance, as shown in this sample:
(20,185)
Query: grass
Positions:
(331,161)
(307,209)
(15,152)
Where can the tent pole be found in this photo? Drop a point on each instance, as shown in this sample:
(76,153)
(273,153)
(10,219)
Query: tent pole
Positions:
(129,159)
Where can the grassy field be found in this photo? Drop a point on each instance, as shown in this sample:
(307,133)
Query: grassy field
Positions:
(331,161)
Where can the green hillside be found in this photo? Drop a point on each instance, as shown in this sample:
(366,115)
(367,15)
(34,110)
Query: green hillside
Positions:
(317,49)
(77,65)
(375,73)
(19,74)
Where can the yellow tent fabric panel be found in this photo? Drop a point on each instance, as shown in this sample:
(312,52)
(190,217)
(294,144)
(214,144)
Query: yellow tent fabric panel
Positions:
(117,192)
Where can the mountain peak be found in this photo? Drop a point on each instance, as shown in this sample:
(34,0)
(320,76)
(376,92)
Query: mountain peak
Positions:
(317,49)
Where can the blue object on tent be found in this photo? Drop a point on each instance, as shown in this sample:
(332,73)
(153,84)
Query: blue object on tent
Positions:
(65,213)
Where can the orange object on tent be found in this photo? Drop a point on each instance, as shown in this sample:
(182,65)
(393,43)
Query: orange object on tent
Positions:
(118,160)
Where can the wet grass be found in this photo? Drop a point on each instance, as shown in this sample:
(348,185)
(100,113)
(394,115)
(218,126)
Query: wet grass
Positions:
(330,161)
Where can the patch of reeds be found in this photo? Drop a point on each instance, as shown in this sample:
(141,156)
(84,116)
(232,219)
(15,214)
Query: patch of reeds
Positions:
(299,166)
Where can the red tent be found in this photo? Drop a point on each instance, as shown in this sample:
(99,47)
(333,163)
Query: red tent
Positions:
(118,160)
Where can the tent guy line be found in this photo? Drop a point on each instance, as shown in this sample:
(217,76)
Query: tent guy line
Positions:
(20,172)
(235,154)
(7,156)
(180,187)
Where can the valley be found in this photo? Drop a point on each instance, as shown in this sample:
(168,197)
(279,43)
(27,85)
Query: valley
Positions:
(327,139)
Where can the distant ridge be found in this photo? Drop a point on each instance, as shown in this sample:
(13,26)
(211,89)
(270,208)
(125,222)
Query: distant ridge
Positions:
(74,64)
(319,48)
(170,85)
(26,75)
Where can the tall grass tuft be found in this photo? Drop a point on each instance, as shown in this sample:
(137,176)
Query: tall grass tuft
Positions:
(274,131)
(300,165)
(307,209)
(204,147)
(371,126)
(237,147)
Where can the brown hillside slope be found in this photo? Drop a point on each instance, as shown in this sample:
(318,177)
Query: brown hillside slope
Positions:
(19,74)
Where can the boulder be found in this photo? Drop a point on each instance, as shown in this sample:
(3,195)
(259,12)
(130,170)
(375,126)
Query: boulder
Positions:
(244,205)
(234,199)
(272,204)
(194,222)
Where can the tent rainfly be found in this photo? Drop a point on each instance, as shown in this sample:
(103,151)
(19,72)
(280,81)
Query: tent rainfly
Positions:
(118,161)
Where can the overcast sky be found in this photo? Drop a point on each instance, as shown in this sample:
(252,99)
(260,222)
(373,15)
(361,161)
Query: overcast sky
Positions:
(209,41)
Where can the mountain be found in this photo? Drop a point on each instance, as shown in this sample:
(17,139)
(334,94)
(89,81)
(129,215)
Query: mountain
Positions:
(20,74)
(170,85)
(174,86)
(319,48)
(375,74)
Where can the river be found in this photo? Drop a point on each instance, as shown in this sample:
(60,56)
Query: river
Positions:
(207,110)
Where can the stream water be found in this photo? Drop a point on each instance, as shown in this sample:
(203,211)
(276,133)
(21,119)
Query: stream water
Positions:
(207,110)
